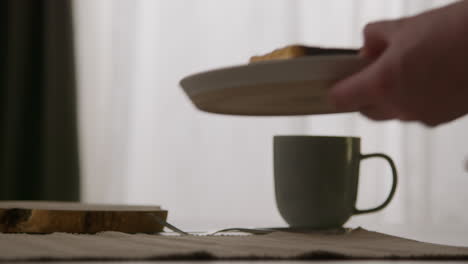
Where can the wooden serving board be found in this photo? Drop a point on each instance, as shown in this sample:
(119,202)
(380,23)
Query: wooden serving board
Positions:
(70,217)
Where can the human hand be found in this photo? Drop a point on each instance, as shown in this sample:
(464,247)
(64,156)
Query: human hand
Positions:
(418,69)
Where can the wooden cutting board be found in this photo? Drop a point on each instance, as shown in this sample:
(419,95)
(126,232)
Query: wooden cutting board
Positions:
(48,217)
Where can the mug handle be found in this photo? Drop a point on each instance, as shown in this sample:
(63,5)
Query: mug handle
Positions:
(394,183)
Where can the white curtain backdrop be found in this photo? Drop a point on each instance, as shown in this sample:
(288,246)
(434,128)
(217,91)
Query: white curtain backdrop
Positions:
(143,142)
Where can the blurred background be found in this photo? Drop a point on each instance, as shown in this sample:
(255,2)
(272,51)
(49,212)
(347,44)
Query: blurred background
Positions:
(141,141)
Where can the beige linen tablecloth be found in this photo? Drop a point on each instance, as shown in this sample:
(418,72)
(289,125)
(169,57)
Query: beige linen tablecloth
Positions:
(353,244)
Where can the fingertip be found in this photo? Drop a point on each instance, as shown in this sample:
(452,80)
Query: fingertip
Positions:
(340,98)
(379,112)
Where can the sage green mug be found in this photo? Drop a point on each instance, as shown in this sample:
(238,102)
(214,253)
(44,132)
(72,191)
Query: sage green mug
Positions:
(316,179)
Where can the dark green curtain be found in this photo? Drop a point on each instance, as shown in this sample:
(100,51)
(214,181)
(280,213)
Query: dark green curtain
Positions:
(38,128)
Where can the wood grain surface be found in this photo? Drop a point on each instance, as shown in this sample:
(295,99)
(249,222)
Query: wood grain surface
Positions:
(69,217)
(298,98)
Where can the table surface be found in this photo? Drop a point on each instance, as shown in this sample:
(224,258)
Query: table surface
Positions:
(439,234)
(259,262)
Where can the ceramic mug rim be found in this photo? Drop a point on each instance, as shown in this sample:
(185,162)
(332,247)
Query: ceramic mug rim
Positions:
(316,137)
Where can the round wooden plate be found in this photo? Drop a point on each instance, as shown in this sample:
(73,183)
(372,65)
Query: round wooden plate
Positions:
(271,88)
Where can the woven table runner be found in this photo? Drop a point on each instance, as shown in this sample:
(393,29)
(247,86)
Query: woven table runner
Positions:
(352,244)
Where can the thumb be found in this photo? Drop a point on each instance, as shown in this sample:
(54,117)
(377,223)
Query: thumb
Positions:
(377,37)
(368,87)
